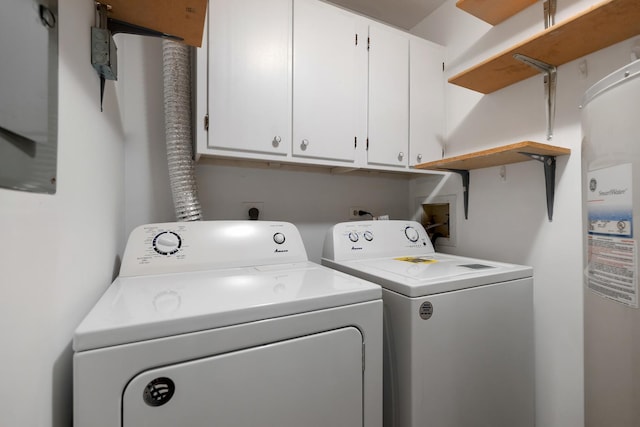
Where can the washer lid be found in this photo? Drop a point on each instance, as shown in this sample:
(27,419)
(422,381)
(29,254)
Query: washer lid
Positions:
(140,308)
(432,273)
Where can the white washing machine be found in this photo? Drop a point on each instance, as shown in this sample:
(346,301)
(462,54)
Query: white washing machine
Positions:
(459,348)
(226,323)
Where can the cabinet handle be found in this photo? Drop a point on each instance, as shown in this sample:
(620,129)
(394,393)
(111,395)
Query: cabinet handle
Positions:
(419,157)
(276,141)
(304,144)
(400,155)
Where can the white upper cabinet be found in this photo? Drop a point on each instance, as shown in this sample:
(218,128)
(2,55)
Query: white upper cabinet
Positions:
(306,82)
(249,77)
(326,69)
(426,101)
(388,118)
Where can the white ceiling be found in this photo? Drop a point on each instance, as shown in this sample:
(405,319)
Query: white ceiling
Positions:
(401,13)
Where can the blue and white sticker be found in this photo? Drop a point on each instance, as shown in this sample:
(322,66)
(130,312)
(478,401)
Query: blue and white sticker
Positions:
(610,201)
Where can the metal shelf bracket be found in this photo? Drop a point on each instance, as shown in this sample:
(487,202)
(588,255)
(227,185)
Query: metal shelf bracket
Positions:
(464,174)
(103,48)
(549,163)
(549,8)
(550,83)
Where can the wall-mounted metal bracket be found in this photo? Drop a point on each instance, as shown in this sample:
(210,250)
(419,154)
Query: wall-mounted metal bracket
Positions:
(464,174)
(549,163)
(549,13)
(550,83)
(103,48)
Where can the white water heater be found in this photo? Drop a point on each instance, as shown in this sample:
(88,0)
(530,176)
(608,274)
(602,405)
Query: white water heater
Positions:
(611,219)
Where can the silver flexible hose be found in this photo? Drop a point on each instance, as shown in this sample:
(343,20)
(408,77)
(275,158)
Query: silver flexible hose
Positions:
(177,118)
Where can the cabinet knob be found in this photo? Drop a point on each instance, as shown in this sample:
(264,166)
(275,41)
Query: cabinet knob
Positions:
(400,155)
(304,144)
(276,141)
(419,157)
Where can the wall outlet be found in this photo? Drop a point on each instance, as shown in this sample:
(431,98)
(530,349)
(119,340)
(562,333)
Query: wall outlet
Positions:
(353,212)
(248,205)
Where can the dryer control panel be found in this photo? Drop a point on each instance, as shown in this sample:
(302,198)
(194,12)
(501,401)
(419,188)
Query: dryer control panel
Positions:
(371,239)
(201,245)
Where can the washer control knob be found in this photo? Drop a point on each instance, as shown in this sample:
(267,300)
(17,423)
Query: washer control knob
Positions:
(167,243)
(412,234)
(368,236)
(353,236)
(279,238)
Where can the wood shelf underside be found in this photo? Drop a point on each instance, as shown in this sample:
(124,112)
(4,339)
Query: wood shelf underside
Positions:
(600,26)
(496,156)
(180,18)
(493,12)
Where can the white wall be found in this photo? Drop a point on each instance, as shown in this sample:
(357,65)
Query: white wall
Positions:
(147,192)
(313,200)
(508,219)
(59,252)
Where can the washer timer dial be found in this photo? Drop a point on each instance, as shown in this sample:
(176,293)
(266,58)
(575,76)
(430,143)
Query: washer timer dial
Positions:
(412,234)
(167,243)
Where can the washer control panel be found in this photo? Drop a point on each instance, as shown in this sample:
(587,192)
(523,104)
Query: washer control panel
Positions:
(360,239)
(202,245)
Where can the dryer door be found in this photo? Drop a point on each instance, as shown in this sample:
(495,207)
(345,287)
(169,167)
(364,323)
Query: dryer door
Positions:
(312,381)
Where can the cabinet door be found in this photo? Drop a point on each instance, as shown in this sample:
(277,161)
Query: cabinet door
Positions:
(326,67)
(388,124)
(426,101)
(250,76)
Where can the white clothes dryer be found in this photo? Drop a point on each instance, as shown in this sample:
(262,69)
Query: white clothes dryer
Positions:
(227,323)
(459,348)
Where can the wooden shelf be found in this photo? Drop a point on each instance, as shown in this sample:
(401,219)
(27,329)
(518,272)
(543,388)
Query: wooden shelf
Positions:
(600,26)
(493,11)
(180,18)
(513,153)
(504,155)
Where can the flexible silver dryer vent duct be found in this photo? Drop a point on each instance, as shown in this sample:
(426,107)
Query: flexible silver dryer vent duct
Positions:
(177,122)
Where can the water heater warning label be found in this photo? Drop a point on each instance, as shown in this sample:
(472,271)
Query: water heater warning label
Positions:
(611,269)
(612,252)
